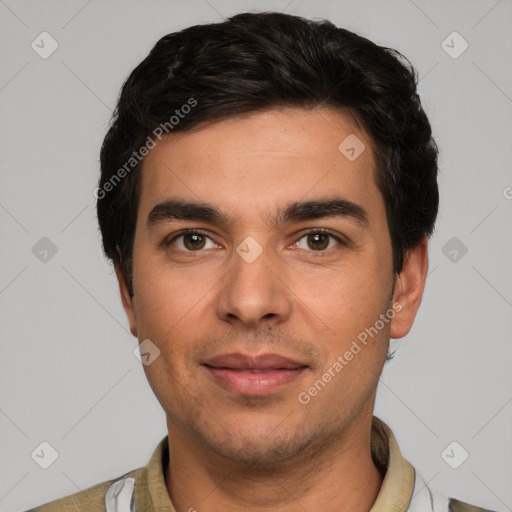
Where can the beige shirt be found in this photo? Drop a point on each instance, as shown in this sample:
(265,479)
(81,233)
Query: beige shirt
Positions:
(402,489)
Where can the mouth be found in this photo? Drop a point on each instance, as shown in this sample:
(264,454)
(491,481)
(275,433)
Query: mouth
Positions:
(253,375)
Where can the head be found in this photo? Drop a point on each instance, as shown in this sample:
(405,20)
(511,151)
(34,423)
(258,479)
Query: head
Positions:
(306,147)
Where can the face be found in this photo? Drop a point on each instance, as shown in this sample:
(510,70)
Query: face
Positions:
(261,258)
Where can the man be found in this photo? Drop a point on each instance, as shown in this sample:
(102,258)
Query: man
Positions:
(267,189)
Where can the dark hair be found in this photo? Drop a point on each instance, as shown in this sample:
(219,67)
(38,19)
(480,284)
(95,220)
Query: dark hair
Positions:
(255,62)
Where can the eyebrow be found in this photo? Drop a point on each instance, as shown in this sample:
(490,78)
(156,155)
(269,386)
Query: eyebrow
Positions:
(318,209)
(172,209)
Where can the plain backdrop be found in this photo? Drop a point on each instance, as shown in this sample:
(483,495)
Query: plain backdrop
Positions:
(68,375)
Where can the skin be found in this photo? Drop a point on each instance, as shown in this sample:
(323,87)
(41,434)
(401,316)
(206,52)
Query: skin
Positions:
(228,451)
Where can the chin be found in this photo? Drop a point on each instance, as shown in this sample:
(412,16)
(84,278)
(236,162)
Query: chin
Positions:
(258,453)
(261,447)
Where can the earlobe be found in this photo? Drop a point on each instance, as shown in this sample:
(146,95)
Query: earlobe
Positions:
(409,288)
(126,300)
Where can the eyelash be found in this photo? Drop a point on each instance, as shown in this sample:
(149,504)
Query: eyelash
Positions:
(188,232)
(306,233)
(322,232)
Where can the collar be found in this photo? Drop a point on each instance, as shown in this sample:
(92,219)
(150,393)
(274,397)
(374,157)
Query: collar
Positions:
(399,485)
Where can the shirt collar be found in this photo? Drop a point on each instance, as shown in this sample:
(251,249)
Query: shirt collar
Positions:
(394,495)
(396,489)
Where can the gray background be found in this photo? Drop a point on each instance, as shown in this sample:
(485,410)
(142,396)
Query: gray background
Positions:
(67,369)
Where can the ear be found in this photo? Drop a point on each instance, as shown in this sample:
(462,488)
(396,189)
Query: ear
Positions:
(409,288)
(126,300)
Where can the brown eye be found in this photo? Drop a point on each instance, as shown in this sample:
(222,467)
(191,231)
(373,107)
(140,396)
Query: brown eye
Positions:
(318,241)
(193,241)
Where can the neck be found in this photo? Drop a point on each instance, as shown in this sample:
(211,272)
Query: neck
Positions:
(339,476)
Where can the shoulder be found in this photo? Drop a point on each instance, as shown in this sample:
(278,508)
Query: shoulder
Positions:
(460,506)
(89,500)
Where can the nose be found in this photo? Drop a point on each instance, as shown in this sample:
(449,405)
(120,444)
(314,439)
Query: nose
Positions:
(254,293)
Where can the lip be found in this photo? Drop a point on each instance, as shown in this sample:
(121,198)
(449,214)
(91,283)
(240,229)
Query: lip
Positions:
(253,375)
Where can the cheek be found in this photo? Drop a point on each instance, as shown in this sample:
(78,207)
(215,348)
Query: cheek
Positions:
(348,298)
(174,312)
(165,300)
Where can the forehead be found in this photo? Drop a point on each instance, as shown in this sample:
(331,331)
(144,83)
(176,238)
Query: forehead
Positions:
(261,161)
